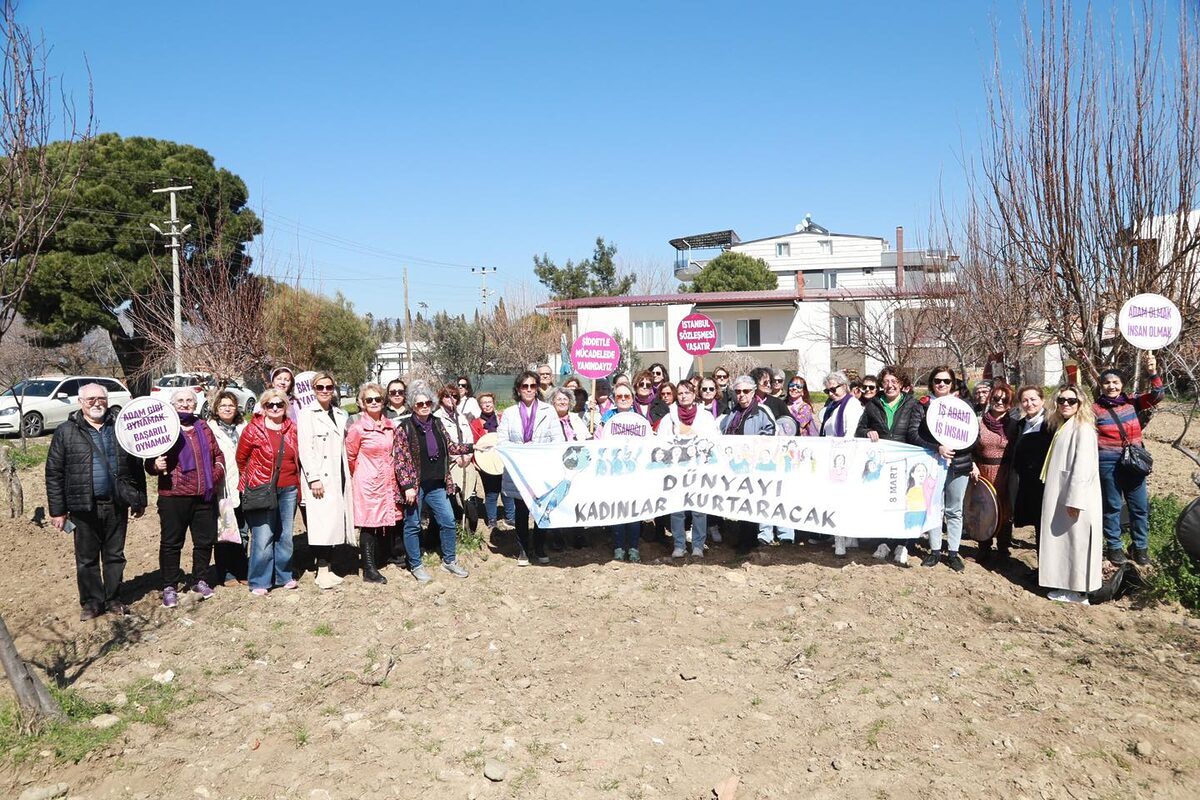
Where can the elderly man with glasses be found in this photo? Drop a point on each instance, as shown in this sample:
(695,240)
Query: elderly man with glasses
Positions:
(91,481)
(545,378)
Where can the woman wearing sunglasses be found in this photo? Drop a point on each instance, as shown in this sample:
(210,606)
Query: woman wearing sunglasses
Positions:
(626,535)
(993,457)
(468,500)
(645,402)
(267,453)
(1069,552)
(960,465)
(530,420)
(325,484)
(377,502)
(799,406)
(710,399)
(423,457)
(467,405)
(688,419)
(397,401)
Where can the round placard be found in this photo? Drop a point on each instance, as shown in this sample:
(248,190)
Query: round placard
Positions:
(486,457)
(629,424)
(696,334)
(303,391)
(952,422)
(147,427)
(981,512)
(595,354)
(1149,321)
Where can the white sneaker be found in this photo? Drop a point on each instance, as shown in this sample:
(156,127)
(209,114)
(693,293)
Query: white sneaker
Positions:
(697,552)
(1064,596)
(901,555)
(522,560)
(326,579)
(882,551)
(715,535)
(839,545)
(678,552)
(851,541)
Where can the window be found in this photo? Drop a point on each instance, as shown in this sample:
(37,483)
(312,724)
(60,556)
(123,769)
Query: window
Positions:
(720,334)
(847,331)
(748,333)
(650,335)
(783,249)
(820,279)
(826,246)
(111,386)
(830,280)
(70,388)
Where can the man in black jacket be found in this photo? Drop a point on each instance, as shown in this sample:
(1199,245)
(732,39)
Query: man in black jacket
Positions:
(90,478)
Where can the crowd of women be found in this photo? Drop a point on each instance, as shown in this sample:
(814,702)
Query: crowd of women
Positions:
(365,482)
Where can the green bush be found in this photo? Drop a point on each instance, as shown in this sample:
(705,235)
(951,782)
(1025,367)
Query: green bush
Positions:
(33,455)
(1177,575)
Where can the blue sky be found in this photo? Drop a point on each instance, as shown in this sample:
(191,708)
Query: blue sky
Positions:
(480,133)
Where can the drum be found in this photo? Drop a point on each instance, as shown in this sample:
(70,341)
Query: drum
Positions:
(1187,529)
(785,426)
(486,457)
(981,512)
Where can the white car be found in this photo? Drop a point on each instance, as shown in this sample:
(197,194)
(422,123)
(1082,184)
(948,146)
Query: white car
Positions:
(42,404)
(202,385)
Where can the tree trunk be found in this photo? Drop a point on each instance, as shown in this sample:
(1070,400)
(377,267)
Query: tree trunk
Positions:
(12,482)
(34,699)
(131,352)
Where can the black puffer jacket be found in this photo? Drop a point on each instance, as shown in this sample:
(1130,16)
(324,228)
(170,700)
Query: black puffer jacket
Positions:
(874,418)
(69,470)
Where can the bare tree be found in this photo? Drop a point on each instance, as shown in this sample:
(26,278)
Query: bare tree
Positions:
(32,183)
(1090,168)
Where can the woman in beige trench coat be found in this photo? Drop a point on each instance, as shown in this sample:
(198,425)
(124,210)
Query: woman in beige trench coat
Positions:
(325,482)
(1072,508)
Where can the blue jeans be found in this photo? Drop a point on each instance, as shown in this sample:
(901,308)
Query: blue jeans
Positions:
(271,542)
(1120,489)
(439,506)
(952,508)
(491,502)
(625,535)
(699,530)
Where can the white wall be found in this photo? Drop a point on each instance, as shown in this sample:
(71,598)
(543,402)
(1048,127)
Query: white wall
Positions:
(809,334)
(679,363)
(610,319)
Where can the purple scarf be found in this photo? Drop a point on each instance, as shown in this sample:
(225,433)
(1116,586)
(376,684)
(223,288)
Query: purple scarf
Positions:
(1113,402)
(687,414)
(188,459)
(993,423)
(490,422)
(740,416)
(713,408)
(431,442)
(528,418)
(839,418)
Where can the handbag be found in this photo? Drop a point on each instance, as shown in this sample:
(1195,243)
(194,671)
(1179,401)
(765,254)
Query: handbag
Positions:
(1134,458)
(126,494)
(265,497)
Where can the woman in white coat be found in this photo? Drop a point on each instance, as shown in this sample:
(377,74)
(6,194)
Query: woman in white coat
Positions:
(1072,541)
(530,420)
(567,427)
(325,478)
(687,419)
(227,426)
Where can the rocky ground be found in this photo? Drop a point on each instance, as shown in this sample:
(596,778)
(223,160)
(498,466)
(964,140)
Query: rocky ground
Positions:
(791,674)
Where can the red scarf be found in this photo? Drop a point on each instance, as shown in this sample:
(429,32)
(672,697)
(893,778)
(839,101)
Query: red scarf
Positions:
(687,414)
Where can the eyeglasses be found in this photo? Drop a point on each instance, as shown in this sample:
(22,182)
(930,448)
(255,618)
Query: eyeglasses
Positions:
(396,392)
(999,401)
(708,388)
(543,374)
(622,397)
(657,372)
(462,386)
(323,387)
(1067,401)
(529,386)
(644,384)
(743,391)
(777,380)
(423,404)
(796,386)
(275,404)
(943,380)
(375,399)
(870,387)
(92,401)
(721,377)
(834,387)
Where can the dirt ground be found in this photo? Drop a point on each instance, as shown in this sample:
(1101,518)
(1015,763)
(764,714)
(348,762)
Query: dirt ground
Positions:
(797,674)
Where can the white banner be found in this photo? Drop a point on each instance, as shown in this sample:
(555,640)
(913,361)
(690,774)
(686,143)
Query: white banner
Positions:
(845,487)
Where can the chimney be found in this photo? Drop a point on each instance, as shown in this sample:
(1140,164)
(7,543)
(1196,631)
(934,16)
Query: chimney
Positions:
(900,258)
(800,284)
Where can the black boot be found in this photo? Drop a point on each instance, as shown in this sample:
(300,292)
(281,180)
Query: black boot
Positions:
(369,543)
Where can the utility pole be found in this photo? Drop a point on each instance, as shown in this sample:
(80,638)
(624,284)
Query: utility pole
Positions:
(483,300)
(407,328)
(173,234)
(483,290)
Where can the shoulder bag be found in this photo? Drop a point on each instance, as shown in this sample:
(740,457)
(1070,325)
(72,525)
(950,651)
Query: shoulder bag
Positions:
(1135,459)
(265,497)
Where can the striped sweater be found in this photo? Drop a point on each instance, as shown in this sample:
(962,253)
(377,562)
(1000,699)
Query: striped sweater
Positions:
(1106,429)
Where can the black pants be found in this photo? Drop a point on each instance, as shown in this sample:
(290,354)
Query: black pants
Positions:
(533,542)
(747,535)
(176,515)
(100,539)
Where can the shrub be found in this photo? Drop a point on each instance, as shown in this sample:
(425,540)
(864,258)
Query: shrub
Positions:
(1177,575)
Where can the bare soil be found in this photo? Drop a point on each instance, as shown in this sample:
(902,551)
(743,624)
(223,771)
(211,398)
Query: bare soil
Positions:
(800,674)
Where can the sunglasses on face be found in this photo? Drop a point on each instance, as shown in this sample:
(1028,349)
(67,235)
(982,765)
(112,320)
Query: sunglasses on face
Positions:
(623,396)
(743,391)
(644,384)
(423,403)
(1067,401)
(795,385)
(462,386)
(373,399)
(275,404)
(942,380)
(708,388)
(999,401)
(396,392)
(721,377)
(529,385)
(656,372)
(324,387)
(777,380)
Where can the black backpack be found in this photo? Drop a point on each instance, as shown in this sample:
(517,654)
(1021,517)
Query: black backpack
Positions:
(1126,580)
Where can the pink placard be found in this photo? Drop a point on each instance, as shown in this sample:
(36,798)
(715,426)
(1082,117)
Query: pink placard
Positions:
(697,334)
(595,354)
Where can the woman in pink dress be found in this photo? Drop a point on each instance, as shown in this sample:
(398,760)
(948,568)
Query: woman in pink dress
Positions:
(373,478)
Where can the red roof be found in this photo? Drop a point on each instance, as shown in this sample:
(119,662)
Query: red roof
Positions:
(729,298)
